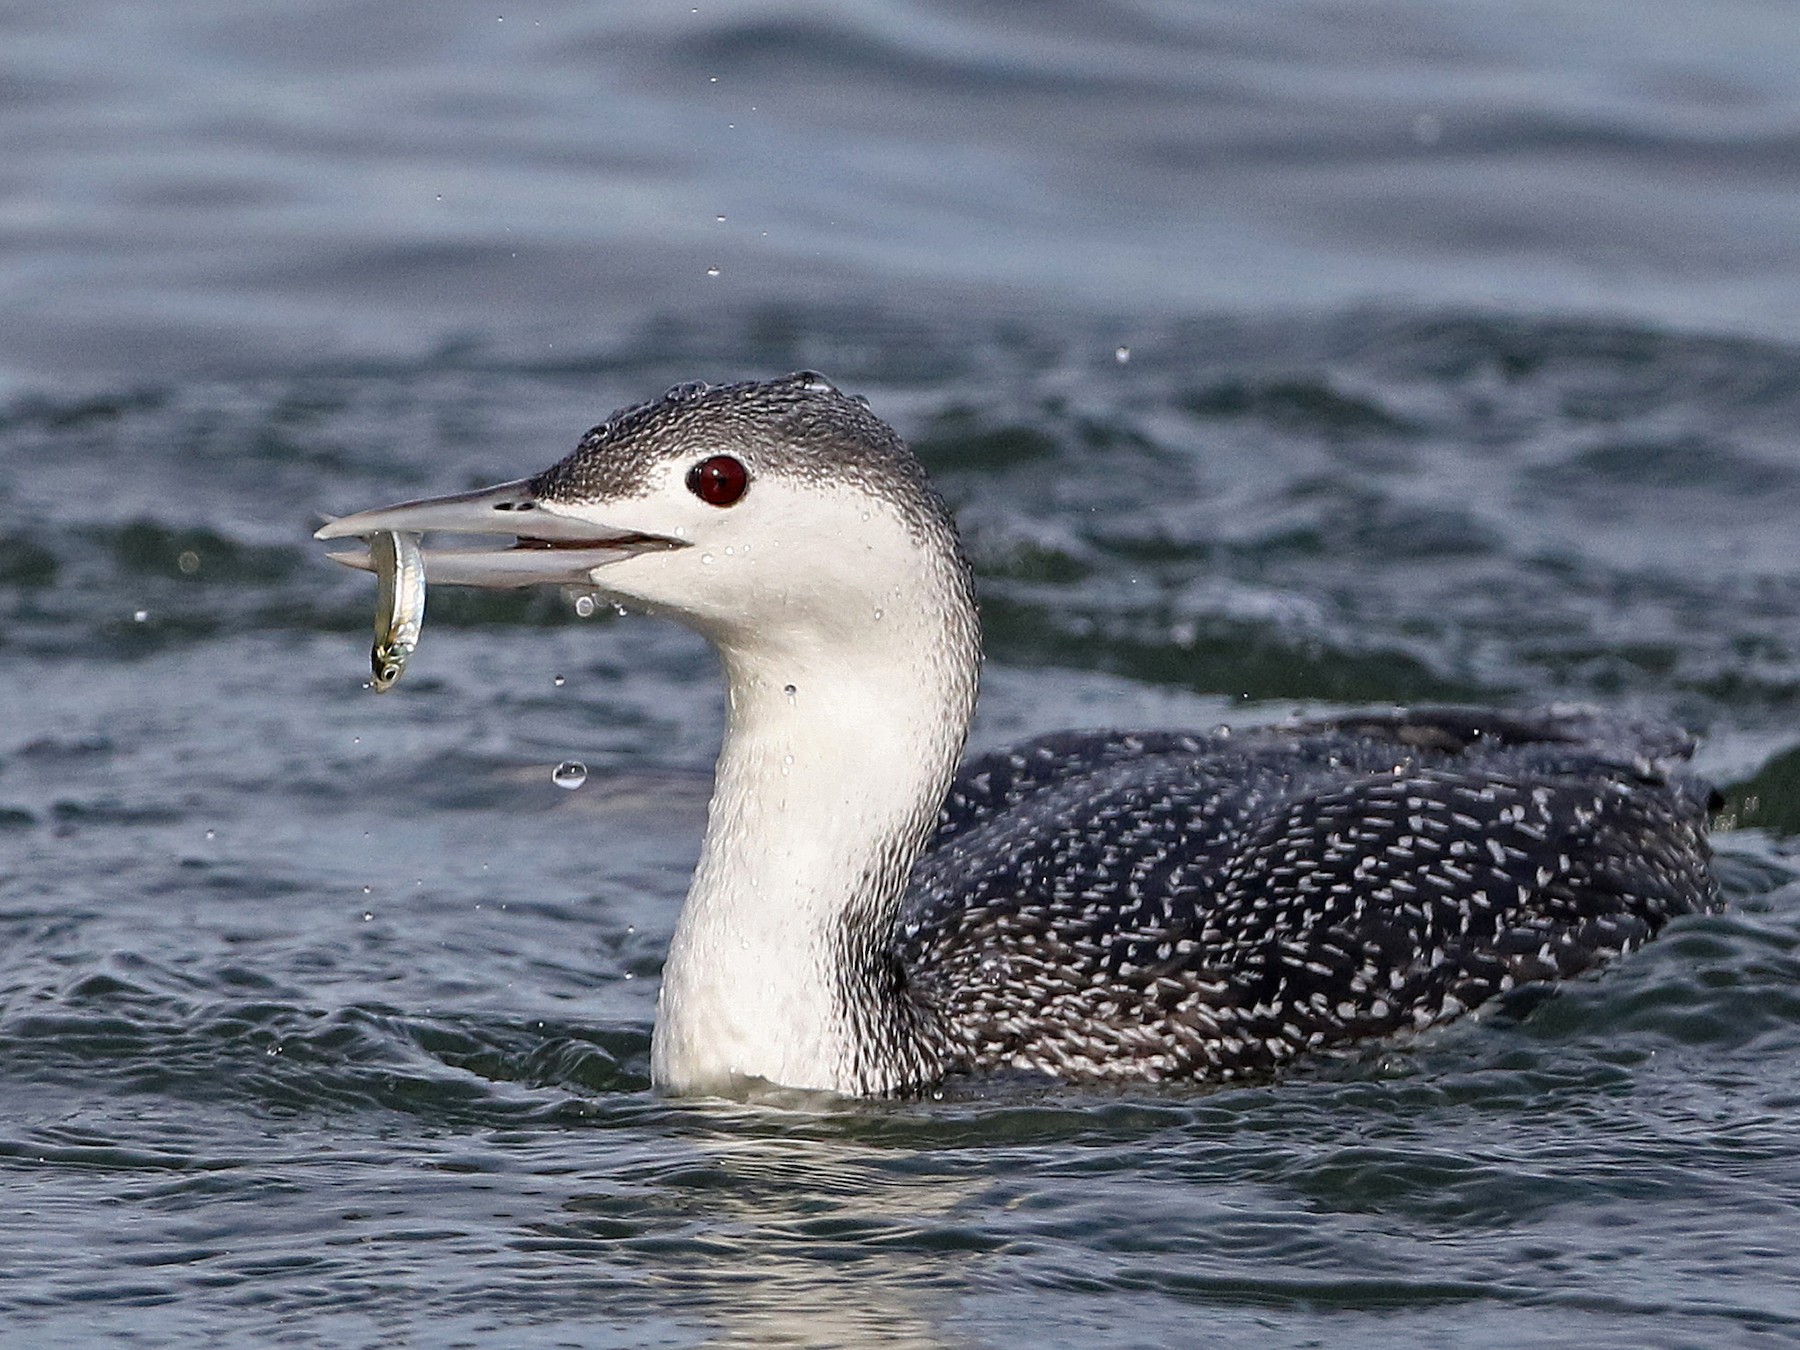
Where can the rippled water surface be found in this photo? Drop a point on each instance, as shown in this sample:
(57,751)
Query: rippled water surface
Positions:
(1272,361)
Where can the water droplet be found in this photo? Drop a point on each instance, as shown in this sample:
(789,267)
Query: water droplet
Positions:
(792,692)
(712,271)
(720,219)
(584,606)
(368,890)
(706,558)
(212,834)
(140,616)
(356,740)
(570,774)
(368,914)
(1121,354)
(618,609)
(877,616)
(865,515)
(787,759)
(558,681)
(188,562)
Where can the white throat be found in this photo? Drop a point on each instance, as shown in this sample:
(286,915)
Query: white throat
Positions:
(839,749)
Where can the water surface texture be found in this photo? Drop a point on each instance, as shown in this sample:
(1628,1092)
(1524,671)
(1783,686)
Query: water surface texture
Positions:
(1279,359)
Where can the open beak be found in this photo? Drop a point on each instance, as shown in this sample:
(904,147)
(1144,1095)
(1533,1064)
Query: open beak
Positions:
(546,546)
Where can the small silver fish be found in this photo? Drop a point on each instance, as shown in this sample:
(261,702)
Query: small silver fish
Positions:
(399,603)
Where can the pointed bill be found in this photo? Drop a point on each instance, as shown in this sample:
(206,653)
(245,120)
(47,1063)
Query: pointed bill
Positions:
(547,546)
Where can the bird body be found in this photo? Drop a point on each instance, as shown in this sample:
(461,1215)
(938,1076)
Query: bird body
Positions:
(1180,906)
(866,918)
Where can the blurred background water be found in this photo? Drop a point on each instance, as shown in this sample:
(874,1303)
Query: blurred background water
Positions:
(1282,357)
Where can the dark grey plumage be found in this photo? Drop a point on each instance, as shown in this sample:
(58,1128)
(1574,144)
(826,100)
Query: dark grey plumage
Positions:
(1165,906)
(1086,905)
(1168,906)
(800,427)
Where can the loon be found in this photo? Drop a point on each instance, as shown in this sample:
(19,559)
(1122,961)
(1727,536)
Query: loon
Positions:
(868,918)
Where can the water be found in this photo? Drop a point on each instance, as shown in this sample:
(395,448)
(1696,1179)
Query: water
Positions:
(1272,360)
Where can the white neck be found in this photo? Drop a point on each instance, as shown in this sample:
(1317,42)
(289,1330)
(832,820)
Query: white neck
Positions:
(823,798)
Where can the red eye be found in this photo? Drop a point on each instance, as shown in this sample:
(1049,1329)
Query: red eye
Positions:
(718,481)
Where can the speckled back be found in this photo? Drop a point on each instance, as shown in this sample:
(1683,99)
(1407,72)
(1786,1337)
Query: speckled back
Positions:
(1168,906)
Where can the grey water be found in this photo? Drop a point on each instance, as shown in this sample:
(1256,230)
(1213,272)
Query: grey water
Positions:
(1275,358)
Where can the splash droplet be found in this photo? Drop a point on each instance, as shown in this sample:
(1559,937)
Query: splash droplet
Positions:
(570,774)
